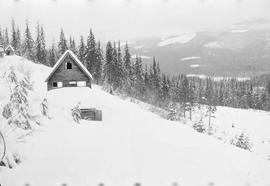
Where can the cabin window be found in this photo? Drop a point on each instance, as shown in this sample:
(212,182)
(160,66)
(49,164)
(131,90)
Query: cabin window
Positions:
(81,83)
(54,84)
(59,84)
(68,65)
(72,82)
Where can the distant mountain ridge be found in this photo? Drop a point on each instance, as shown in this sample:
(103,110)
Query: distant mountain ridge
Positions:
(243,50)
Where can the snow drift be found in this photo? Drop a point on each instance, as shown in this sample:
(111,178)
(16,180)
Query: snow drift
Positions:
(129,146)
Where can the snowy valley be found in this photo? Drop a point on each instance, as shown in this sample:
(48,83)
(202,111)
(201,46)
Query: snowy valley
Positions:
(131,146)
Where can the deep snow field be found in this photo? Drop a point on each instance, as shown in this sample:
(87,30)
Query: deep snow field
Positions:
(131,145)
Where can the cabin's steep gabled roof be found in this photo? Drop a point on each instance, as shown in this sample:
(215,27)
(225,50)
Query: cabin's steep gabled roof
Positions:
(9,47)
(77,61)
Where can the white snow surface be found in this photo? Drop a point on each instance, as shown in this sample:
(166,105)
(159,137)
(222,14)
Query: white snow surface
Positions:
(194,66)
(239,31)
(213,45)
(143,57)
(129,146)
(202,76)
(190,58)
(182,39)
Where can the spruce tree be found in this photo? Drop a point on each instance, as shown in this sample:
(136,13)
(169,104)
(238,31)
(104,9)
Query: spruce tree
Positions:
(43,51)
(211,108)
(52,55)
(62,44)
(28,44)
(6,38)
(127,61)
(19,42)
(38,44)
(90,59)
(1,38)
(13,42)
(72,45)
(98,65)
(108,66)
(81,53)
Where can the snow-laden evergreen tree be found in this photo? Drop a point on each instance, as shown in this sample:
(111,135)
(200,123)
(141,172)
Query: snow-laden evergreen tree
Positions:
(62,44)
(210,101)
(44,107)
(82,52)
(14,43)
(108,66)
(138,78)
(163,94)
(28,44)
(17,110)
(184,95)
(76,113)
(19,42)
(72,45)
(199,126)
(43,51)
(98,65)
(6,38)
(90,58)
(52,55)
(127,61)
(127,68)
(117,67)
(38,44)
(242,141)
(1,38)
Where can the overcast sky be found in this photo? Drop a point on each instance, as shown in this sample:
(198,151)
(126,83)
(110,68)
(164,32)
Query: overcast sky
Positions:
(125,19)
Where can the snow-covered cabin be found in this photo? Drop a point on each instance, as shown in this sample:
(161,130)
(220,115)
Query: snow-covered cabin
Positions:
(1,51)
(69,72)
(9,50)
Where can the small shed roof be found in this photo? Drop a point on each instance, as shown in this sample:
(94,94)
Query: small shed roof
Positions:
(9,47)
(59,62)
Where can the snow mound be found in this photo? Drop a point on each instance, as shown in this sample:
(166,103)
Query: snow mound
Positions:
(182,39)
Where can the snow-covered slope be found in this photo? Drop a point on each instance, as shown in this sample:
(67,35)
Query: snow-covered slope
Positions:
(185,38)
(129,146)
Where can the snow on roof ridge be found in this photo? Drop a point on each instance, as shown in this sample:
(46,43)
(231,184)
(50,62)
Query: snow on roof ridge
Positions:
(9,46)
(57,64)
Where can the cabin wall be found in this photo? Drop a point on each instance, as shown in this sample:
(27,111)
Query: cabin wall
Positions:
(67,75)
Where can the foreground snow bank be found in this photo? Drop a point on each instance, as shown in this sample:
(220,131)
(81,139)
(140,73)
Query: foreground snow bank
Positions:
(130,146)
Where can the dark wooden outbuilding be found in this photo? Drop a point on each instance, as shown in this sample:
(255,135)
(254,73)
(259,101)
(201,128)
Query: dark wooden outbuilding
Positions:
(91,114)
(9,50)
(69,72)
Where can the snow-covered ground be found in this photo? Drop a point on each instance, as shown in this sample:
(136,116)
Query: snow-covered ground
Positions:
(213,45)
(143,57)
(190,58)
(194,66)
(130,145)
(239,31)
(202,76)
(182,39)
